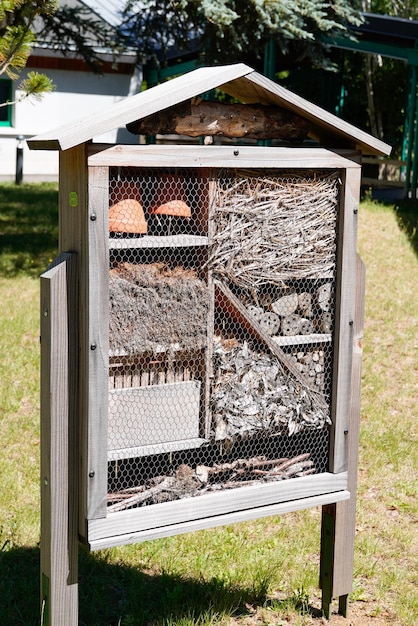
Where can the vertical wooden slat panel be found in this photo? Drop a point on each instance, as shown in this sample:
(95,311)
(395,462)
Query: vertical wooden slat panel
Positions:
(98,204)
(59,501)
(338,520)
(345,302)
(73,236)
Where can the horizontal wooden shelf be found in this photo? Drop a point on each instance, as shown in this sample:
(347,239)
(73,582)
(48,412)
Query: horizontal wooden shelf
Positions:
(157,448)
(301,340)
(155,241)
(226,506)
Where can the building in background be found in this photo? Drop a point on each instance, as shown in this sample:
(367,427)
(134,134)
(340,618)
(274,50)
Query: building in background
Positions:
(78,92)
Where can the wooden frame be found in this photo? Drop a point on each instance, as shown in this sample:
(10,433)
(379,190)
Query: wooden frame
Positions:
(75,350)
(96,528)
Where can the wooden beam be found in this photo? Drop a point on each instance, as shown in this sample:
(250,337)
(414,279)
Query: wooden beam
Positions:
(338,519)
(59,537)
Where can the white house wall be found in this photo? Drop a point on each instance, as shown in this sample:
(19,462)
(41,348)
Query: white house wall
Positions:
(77,94)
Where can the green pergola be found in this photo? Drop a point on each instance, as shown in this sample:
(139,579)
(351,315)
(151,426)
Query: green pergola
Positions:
(383,35)
(396,38)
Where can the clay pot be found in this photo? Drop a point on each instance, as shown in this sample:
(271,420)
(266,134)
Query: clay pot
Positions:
(127,216)
(171,197)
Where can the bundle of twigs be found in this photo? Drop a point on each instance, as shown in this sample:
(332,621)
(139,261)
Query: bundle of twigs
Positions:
(271,229)
(188,482)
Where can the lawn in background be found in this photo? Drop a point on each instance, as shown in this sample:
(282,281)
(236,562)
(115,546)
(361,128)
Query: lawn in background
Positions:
(254,573)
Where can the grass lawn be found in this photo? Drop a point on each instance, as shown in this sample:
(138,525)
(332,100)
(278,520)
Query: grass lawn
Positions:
(251,574)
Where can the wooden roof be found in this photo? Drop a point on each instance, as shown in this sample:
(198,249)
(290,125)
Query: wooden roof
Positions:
(239,81)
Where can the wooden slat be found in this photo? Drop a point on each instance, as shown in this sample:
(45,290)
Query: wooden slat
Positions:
(98,340)
(217,520)
(155,241)
(136,107)
(339,563)
(155,448)
(212,504)
(59,536)
(221,156)
(73,219)
(345,304)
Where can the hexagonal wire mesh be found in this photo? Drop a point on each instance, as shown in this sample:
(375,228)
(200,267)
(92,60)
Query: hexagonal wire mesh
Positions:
(222,301)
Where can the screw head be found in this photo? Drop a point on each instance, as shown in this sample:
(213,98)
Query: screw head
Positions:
(93,346)
(91,474)
(236,152)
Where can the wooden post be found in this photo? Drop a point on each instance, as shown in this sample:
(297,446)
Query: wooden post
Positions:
(59,537)
(338,520)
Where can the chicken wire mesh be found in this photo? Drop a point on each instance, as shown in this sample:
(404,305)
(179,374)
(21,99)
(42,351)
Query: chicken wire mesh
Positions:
(222,314)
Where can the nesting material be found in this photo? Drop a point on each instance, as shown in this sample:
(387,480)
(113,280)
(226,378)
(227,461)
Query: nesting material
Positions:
(269,229)
(155,309)
(187,482)
(252,394)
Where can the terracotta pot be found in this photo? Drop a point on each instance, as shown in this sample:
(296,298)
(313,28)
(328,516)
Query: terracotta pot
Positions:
(171,197)
(127,216)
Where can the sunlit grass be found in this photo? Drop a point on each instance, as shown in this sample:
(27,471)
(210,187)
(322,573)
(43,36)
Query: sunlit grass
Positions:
(255,573)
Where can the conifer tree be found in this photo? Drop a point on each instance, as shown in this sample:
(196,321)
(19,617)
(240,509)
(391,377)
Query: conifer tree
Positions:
(230,30)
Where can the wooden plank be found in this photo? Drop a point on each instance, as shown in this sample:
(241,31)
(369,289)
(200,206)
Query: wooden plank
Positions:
(98,340)
(337,552)
(212,504)
(220,156)
(153,414)
(73,220)
(151,449)
(345,305)
(141,105)
(254,87)
(154,241)
(59,536)
(216,520)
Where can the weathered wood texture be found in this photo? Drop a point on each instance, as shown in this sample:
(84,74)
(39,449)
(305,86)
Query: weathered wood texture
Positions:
(221,156)
(98,339)
(196,117)
(59,537)
(135,536)
(338,519)
(72,236)
(345,304)
(190,514)
(239,81)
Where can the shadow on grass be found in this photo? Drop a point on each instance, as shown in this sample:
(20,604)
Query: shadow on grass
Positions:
(28,228)
(407,216)
(113,595)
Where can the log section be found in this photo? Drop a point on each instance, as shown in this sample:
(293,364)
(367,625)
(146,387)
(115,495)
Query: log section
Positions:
(195,118)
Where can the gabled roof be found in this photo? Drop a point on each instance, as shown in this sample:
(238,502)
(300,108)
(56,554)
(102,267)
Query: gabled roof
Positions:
(239,81)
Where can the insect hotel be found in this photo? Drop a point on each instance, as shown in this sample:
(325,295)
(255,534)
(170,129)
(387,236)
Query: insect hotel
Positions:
(202,325)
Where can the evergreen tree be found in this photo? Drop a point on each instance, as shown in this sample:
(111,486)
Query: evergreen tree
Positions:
(230,30)
(16,40)
(69,29)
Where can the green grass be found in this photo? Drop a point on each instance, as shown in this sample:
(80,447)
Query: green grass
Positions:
(256,573)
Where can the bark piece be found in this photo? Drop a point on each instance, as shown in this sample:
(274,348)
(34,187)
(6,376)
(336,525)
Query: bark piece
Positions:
(197,118)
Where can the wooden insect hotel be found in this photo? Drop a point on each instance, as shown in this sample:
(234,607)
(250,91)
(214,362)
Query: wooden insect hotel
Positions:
(202,326)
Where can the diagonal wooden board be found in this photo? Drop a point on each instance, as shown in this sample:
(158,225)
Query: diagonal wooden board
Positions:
(230,303)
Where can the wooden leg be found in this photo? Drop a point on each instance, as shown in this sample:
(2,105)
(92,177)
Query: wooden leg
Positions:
(59,543)
(343,602)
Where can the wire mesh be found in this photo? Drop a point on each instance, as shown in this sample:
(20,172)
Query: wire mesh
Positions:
(222,316)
